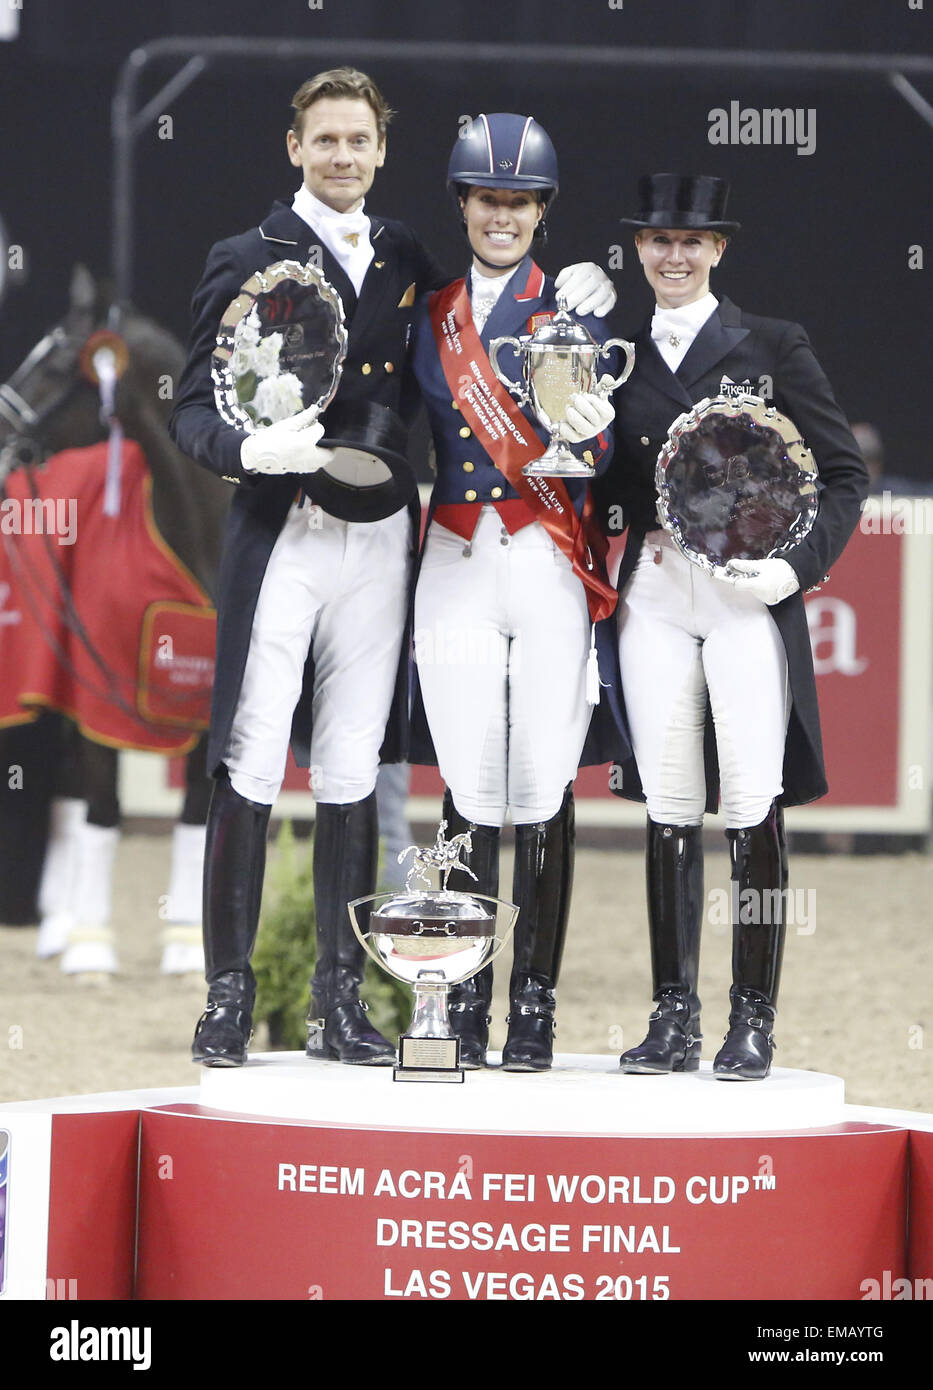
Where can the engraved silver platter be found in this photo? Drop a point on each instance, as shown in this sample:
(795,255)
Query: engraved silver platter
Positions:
(735,481)
(280,346)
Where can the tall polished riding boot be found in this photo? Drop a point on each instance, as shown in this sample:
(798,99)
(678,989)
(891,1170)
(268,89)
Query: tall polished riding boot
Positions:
(759,876)
(346,851)
(234,865)
(541,886)
(674,868)
(468,1004)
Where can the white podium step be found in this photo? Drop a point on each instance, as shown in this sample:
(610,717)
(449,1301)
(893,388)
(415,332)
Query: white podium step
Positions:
(581,1094)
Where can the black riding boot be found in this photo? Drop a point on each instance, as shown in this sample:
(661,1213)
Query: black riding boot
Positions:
(541,887)
(468,1004)
(759,877)
(234,865)
(674,865)
(346,849)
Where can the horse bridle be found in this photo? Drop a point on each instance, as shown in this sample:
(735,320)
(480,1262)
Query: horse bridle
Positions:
(20,421)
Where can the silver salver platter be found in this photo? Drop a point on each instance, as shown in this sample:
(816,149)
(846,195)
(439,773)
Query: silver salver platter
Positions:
(735,481)
(280,347)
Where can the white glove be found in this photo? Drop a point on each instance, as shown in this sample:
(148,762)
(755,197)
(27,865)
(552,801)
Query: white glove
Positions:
(585,417)
(288,446)
(587,289)
(767,580)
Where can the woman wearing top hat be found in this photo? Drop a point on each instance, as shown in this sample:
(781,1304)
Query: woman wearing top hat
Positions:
(717,676)
(512,585)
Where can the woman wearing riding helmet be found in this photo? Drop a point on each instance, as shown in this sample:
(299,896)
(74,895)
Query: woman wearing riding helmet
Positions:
(512,598)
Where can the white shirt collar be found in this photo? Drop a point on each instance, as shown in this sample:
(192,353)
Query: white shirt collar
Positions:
(688,318)
(318,215)
(485,293)
(489,286)
(674,330)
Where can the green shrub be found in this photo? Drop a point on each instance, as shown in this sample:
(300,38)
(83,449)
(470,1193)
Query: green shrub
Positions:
(285,954)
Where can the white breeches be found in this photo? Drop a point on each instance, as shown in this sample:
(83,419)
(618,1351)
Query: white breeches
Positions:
(340,589)
(683,633)
(501,641)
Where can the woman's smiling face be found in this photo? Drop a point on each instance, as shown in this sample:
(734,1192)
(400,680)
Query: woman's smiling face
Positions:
(677,262)
(501,224)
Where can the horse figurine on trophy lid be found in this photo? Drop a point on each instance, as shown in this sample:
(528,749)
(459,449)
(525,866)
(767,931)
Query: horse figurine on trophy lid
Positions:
(443,855)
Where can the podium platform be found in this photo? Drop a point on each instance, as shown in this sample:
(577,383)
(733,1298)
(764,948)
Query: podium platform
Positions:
(580,1095)
(296,1179)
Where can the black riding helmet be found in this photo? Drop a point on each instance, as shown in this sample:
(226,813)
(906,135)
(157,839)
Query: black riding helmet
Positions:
(504,150)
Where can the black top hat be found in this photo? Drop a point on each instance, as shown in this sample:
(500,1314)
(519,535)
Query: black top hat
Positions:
(372,429)
(681,201)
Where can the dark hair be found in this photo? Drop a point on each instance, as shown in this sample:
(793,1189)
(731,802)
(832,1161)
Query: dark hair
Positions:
(540,195)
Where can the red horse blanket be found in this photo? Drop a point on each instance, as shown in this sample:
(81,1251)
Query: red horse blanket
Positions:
(98,617)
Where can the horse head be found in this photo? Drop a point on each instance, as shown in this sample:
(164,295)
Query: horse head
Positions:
(57,399)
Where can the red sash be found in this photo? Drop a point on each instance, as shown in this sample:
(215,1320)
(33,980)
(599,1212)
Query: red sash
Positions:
(508,438)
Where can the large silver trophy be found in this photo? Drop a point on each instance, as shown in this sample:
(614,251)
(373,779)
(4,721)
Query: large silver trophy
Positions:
(432,939)
(735,482)
(559,359)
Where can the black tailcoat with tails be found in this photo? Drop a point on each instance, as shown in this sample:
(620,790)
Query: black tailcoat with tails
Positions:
(775,358)
(374,370)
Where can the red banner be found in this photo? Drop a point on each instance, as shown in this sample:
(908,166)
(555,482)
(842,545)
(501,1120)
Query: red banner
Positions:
(299,1211)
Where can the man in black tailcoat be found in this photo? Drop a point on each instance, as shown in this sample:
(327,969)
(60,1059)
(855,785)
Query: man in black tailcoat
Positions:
(311,607)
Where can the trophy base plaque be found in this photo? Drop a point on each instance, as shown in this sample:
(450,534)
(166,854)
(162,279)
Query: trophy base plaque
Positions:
(428,1059)
(558,461)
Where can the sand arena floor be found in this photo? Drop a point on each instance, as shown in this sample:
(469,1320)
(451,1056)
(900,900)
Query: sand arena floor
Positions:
(856,997)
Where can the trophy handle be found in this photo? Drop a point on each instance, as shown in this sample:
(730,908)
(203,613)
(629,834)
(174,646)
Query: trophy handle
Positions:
(499,943)
(629,350)
(363,938)
(518,390)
